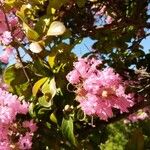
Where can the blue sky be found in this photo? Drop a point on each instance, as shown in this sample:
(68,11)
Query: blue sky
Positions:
(85,46)
(146,44)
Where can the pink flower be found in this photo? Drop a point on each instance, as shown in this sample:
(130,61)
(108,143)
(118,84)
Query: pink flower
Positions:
(12,19)
(104,110)
(9,49)
(6,115)
(6,54)
(25,142)
(98,91)
(10,106)
(82,67)
(31,125)
(89,104)
(109,19)
(2,1)
(142,114)
(4,57)
(23,108)
(73,77)
(3,86)
(6,38)
(2,16)
(109,78)
(4,145)
(101,11)
(91,84)
(3,27)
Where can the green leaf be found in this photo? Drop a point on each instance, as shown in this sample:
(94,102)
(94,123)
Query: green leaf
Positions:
(21,13)
(49,87)
(31,109)
(51,58)
(49,91)
(59,54)
(45,101)
(42,24)
(81,3)
(40,69)
(53,118)
(37,85)
(10,2)
(56,4)
(42,111)
(68,130)
(8,74)
(30,33)
(17,80)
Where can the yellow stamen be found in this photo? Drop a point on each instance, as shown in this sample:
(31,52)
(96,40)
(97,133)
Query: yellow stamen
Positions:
(104,94)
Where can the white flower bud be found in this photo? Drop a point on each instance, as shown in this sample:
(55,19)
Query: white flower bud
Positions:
(35,47)
(56,28)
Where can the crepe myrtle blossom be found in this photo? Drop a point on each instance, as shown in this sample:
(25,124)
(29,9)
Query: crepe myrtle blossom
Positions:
(98,91)
(6,38)
(10,27)
(10,107)
(141,114)
(25,142)
(4,57)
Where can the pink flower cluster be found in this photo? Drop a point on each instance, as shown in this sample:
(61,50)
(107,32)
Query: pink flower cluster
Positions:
(98,91)
(13,133)
(142,114)
(9,28)
(6,38)
(10,22)
(4,57)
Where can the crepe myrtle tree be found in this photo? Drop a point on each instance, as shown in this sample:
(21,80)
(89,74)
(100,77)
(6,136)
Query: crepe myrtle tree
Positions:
(53,99)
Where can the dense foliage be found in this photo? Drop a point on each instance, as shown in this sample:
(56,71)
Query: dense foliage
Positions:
(98,101)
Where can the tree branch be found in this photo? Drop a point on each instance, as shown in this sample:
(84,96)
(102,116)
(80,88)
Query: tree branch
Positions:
(23,68)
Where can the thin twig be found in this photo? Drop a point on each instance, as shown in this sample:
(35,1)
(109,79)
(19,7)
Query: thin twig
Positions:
(138,41)
(18,54)
(23,68)
(27,51)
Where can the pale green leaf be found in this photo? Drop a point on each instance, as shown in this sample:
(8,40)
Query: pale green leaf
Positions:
(45,101)
(10,2)
(38,84)
(30,33)
(53,118)
(49,91)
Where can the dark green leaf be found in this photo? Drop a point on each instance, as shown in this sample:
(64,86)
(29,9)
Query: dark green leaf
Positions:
(68,130)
